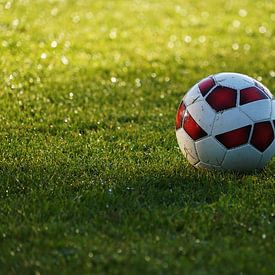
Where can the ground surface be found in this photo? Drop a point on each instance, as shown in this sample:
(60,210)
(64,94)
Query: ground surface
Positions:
(91,177)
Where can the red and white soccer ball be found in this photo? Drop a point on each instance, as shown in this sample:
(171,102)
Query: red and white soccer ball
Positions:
(227,121)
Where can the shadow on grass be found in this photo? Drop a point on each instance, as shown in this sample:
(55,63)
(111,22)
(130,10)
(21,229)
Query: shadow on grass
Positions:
(83,195)
(145,186)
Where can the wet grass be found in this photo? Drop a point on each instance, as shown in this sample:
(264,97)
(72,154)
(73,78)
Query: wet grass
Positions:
(91,177)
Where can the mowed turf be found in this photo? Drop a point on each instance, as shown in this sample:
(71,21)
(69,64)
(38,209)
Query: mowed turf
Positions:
(91,176)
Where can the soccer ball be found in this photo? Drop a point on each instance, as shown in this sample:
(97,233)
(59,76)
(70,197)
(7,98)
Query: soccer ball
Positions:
(227,121)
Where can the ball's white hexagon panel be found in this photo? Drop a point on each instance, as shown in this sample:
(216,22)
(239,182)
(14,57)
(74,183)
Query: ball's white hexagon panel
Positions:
(187,146)
(210,151)
(268,154)
(203,114)
(230,120)
(207,166)
(192,96)
(273,109)
(257,110)
(242,158)
(234,80)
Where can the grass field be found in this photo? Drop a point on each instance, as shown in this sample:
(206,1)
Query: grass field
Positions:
(91,177)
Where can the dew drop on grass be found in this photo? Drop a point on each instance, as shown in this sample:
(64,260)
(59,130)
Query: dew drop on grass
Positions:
(5,44)
(204,63)
(41,44)
(8,5)
(262,29)
(170,44)
(178,9)
(246,47)
(64,60)
(147,258)
(236,24)
(50,67)
(235,46)
(216,44)
(187,39)
(263,236)
(67,44)
(54,44)
(43,56)
(75,18)
(138,82)
(89,15)
(90,255)
(259,78)
(15,22)
(173,38)
(202,39)
(113,79)
(113,34)
(242,13)
(122,84)
(54,12)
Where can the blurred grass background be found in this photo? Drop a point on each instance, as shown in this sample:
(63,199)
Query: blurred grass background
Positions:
(92,180)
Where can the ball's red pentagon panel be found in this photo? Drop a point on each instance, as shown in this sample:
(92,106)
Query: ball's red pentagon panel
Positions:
(192,128)
(251,94)
(179,116)
(262,136)
(222,98)
(206,85)
(235,137)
